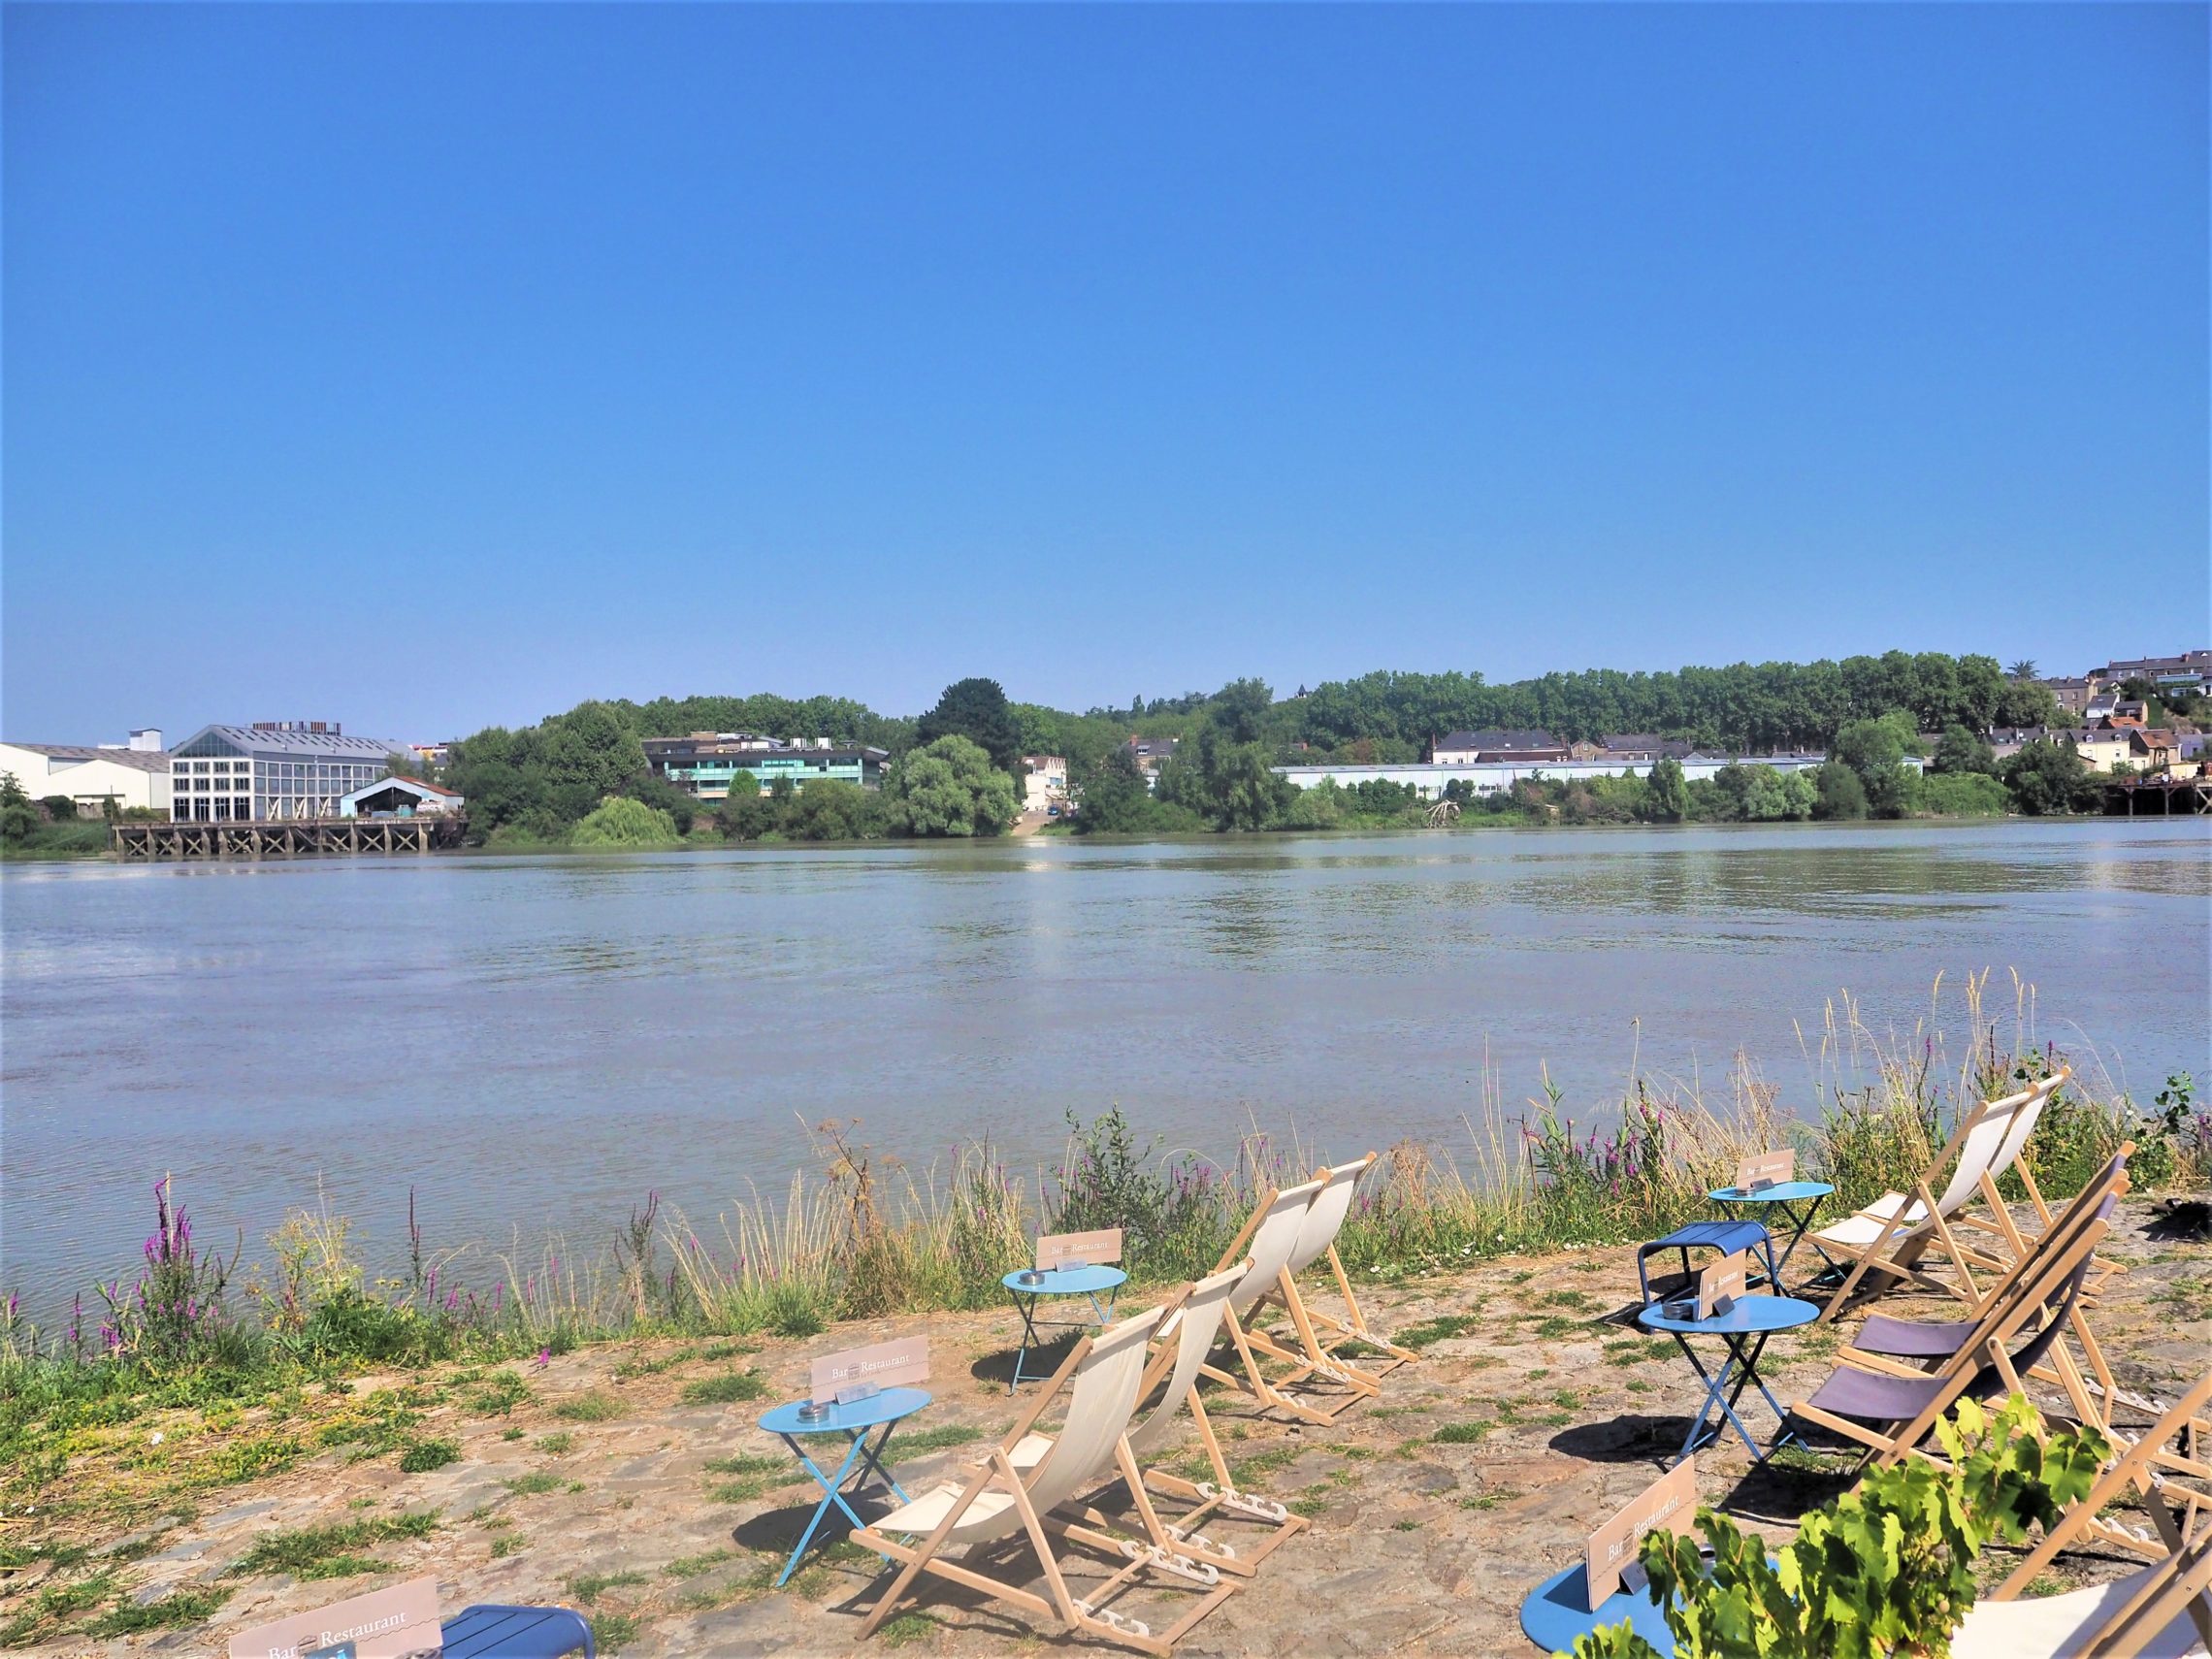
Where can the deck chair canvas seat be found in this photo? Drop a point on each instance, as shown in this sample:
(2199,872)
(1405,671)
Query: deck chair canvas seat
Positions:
(1268,1238)
(1000,1501)
(1312,1356)
(1893,1237)
(2158,1613)
(1328,1335)
(1187,1337)
(1889,1411)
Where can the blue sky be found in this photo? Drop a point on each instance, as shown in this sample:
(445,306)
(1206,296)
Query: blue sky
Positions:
(426,367)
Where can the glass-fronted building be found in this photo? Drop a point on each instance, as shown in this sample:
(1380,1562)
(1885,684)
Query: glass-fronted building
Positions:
(271,770)
(705,762)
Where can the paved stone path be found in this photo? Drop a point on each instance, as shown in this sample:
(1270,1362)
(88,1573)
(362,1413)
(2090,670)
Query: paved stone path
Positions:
(1433,1510)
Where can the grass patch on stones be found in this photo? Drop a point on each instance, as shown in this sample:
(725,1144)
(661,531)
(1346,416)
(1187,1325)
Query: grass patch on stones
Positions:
(557,1445)
(179,1607)
(500,1395)
(934,1440)
(329,1551)
(1467,1433)
(533,1484)
(1429,1332)
(612,1631)
(421,1456)
(588,1587)
(728,1390)
(906,1628)
(595,1407)
(692,1566)
(506,1545)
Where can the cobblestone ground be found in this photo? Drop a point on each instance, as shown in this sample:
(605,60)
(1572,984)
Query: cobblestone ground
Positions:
(1433,1509)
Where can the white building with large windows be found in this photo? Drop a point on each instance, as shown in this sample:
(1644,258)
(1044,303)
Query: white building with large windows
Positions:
(271,770)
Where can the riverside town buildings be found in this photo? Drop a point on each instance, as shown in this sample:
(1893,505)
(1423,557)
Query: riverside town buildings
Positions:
(128,775)
(1044,782)
(272,770)
(703,763)
(1471,748)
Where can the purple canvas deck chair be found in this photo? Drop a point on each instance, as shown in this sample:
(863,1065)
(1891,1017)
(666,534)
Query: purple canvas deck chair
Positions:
(1891,1411)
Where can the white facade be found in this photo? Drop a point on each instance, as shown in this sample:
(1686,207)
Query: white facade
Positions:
(90,777)
(1491,777)
(225,773)
(409,797)
(1044,782)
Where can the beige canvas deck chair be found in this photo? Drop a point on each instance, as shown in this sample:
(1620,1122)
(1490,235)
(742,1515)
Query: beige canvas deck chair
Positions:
(1893,1235)
(1016,1490)
(2175,1511)
(1268,1238)
(1185,1338)
(2161,1613)
(1322,1336)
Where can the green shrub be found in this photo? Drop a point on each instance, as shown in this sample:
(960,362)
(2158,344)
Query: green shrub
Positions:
(421,1456)
(621,821)
(1887,1568)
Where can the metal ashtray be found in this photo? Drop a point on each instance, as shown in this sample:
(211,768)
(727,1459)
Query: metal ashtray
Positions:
(1679,1310)
(814,1411)
(1030,1275)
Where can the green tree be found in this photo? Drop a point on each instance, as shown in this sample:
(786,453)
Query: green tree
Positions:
(745,814)
(59,808)
(830,810)
(621,821)
(1875,750)
(591,753)
(1241,709)
(1245,790)
(1667,796)
(19,818)
(2022,669)
(1839,795)
(2049,777)
(949,787)
(662,795)
(1111,798)
(405,764)
(1962,751)
(976,709)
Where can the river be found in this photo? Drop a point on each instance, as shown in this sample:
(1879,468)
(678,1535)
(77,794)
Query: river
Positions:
(532,1043)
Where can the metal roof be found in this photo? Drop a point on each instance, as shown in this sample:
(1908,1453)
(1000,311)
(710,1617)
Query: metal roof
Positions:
(142,760)
(305,744)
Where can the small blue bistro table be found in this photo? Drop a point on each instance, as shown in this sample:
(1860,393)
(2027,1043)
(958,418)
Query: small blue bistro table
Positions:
(882,1410)
(1557,1612)
(1785,1197)
(1088,1281)
(1744,1331)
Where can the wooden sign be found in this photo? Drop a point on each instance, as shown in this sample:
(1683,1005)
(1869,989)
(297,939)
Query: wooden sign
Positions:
(1762,1170)
(1088,1250)
(1668,1502)
(885,1365)
(1729,1277)
(397,1623)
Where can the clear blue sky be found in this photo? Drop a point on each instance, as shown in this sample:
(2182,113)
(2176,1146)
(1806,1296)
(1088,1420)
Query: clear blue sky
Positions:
(421,368)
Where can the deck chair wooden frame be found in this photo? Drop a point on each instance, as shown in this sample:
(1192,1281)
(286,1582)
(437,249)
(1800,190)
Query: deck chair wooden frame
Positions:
(1187,1337)
(1323,1334)
(2044,1290)
(2122,1620)
(2133,1473)
(1911,1226)
(1314,1356)
(1001,1498)
(1268,1238)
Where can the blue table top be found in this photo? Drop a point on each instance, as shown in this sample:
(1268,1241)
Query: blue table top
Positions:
(1781,1192)
(1751,1315)
(489,1631)
(1068,1282)
(885,1407)
(1557,1614)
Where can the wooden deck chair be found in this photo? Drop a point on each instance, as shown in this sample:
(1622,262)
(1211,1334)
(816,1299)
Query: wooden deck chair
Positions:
(1025,1479)
(2161,1613)
(2133,1473)
(1893,1234)
(1321,1334)
(1185,1338)
(1891,1411)
(1269,1236)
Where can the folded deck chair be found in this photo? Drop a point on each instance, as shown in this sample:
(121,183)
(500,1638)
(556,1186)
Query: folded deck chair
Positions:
(2159,1612)
(1891,1236)
(1268,1238)
(2134,1473)
(1321,1334)
(1891,1411)
(1185,1338)
(1015,1490)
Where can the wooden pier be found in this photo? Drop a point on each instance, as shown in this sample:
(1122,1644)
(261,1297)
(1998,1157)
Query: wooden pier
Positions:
(288,839)
(2159,797)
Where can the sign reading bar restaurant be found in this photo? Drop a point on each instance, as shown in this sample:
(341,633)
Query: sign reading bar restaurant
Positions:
(1723,1284)
(1079,1249)
(1762,1170)
(885,1365)
(1668,1502)
(397,1623)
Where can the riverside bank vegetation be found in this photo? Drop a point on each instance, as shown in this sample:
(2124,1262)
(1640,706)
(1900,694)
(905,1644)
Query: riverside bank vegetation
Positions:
(952,770)
(200,1371)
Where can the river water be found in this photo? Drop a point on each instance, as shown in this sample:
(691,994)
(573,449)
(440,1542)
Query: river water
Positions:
(532,1043)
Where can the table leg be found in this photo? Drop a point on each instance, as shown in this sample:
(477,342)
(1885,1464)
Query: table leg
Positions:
(874,1461)
(832,1493)
(1716,1384)
(1028,1311)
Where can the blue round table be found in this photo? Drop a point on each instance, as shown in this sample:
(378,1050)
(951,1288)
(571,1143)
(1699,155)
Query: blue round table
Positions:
(1058,1282)
(882,1410)
(1785,1196)
(1744,1331)
(1557,1612)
